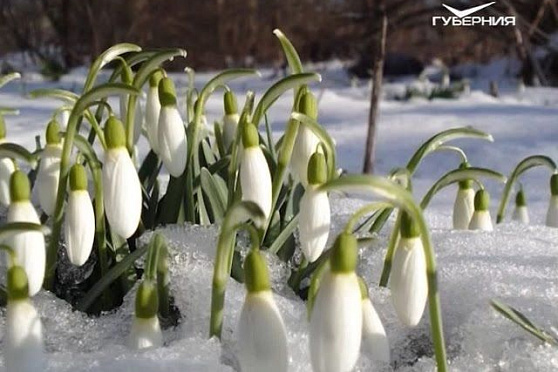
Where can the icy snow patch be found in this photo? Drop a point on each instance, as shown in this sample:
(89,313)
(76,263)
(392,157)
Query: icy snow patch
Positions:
(515,264)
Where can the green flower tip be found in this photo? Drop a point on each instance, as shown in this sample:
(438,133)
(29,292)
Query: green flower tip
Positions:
(167,93)
(466,184)
(344,254)
(115,135)
(18,288)
(250,136)
(363,288)
(482,200)
(155,79)
(554,184)
(147,300)
(520,199)
(78,178)
(317,169)
(230,103)
(20,190)
(409,228)
(309,105)
(256,276)
(53,133)
(2,127)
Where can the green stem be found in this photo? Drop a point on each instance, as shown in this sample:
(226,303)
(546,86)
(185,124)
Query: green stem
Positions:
(392,243)
(369,208)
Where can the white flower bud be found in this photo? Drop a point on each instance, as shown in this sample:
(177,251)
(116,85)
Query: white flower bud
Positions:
(463,208)
(255,179)
(7,167)
(262,338)
(374,339)
(79,230)
(152,110)
(23,340)
(146,333)
(314,222)
(230,123)
(481,221)
(408,281)
(305,145)
(48,177)
(521,214)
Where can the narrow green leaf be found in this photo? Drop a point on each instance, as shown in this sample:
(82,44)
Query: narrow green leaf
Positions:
(284,235)
(217,199)
(9,77)
(15,151)
(280,87)
(60,94)
(290,52)
(153,63)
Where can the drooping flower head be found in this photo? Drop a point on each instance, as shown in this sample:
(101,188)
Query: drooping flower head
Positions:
(262,339)
(171,133)
(552,213)
(79,230)
(49,169)
(121,185)
(374,339)
(481,217)
(152,111)
(315,215)
(230,119)
(146,331)
(521,213)
(336,318)
(7,167)
(464,205)
(306,141)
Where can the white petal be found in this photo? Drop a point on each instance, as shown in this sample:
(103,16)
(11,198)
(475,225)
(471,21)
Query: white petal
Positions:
(47,178)
(408,282)
(521,214)
(481,221)
(262,338)
(230,122)
(552,214)
(122,192)
(336,324)
(6,169)
(305,145)
(152,109)
(79,230)
(374,339)
(29,246)
(24,338)
(63,119)
(315,218)
(145,334)
(255,179)
(463,208)
(138,122)
(172,140)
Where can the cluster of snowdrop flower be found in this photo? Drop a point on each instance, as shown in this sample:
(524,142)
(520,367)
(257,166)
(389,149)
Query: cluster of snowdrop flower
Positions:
(233,175)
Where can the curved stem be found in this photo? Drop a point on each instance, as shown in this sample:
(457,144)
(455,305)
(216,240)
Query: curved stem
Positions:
(392,244)
(369,208)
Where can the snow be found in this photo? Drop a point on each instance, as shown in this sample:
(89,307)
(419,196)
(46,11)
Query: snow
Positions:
(515,263)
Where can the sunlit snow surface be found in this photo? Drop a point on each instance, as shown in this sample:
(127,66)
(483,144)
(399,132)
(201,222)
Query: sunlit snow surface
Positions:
(515,264)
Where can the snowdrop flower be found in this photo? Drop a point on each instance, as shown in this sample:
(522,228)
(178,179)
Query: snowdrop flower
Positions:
(552,214)
(481,217)
(7,167)
(121,185)
(49,169)
(64,119)
(29,246)
(171,133)
(336,318)
(23,342)
(255,179)
(152,110)
(306,141)
(79,230)
(230,119)
(520,213)
(262,338)
(314,210)
(127,78)
(464,205)
(408,281)
(374,339)
(146,331)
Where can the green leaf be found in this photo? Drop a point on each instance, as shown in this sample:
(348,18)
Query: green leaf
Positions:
(153,63)
(277,89)
(15,151)
(454,149)
(216,195)
(290,52)
(524,322)
(324,137)
(284,235)
(439,139)
(106,57)
(219,139)
(86,149)
(149,166)
(9,77)
(113,274)
(457,175)
(60,94)
(522,166)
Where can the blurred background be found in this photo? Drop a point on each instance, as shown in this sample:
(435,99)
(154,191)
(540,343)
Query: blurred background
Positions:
(54,36)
